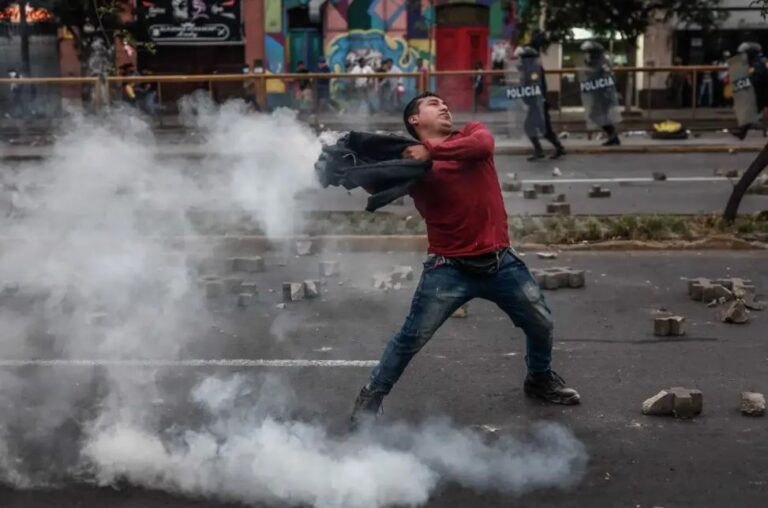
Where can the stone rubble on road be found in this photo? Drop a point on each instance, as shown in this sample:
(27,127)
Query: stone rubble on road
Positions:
(736,313)
(248,265)
(330,268)
(669,326)
(293,291)
(461,312)
(752,404)
(558,277)
(599,192)
(683,403)
(304,247)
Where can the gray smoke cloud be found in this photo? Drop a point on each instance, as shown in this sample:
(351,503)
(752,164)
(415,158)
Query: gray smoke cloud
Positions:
(88,272)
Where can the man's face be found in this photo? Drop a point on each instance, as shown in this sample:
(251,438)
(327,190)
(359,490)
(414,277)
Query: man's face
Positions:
(433,115)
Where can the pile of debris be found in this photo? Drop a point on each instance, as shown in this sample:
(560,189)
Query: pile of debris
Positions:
(738,293)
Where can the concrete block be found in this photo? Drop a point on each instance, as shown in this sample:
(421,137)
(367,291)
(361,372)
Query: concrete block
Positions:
(559,208)
(544,188)
(400,273)
(304,247)
(530,194)
(248,287)
(330,269)
(736,313)
(560,198)
(660,404)
(561,275)
(311,289)
(659,176)
(576,279)
(714,291)
(214,288)
(232,284)
(293,291)
(550,281)
(461,312)
(736,282)
(512,186)
(667,326)
(688,402)
(599,192)
(248,265)
(752,404)
(245,299)
(694,286)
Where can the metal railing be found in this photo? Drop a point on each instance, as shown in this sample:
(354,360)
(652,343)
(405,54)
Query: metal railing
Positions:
(304,90)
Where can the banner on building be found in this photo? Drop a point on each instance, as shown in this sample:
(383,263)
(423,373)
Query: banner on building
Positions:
(191,21)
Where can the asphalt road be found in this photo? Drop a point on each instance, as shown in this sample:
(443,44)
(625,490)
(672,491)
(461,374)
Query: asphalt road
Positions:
(692,186)
(472,372)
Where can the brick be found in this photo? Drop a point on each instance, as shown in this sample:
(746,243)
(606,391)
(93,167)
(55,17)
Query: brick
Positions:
(311,289)
(512,186)
(661,404)
(550,281)
(659,176)
(688,402)
(293,291)
(544,188)
(576,279)
(330,268)
(214,288)
(245,299)
(530,194)
(752,404)
(461,312)
(304,247)
(669,326)
(559,208)
(599,192)
(248,265)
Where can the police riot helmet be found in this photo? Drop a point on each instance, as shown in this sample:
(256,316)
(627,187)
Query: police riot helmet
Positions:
(526,52)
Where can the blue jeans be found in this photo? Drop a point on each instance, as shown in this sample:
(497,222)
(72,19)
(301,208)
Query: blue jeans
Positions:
(443,288)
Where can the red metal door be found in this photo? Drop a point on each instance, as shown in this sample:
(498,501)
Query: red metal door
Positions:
(458,49)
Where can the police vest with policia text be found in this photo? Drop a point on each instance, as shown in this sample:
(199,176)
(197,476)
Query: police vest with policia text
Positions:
(601,83)
(523,91)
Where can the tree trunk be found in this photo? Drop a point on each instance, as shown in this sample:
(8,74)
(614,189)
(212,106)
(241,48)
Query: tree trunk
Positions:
(732,208)
(628,88)
(24,32)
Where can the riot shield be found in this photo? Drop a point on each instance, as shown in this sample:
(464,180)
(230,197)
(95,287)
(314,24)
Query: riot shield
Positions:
(526,98)
(744,99)
(599,96)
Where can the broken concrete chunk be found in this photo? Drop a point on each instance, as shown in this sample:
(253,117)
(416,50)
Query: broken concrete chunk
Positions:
(293,291)
(736,313)
(659,176)
(248,265)
(547,255)
(556,172)
(512,186)
(711,292)
(695,286)
(280,306)
(688,402)
(214,288)
(382,281)
(752,404)
(544,188)
(559,208)
(311,289)
(530,194)
(681,402)
(303,247)
(576,279)
(660,404)
(751,303)
(330,268)
(401,272)
(244,299)
(461,312)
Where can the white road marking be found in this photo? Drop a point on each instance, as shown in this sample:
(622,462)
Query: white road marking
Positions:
(236,362)
(638,179)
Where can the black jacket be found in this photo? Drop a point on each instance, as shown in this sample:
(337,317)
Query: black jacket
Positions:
(371,161)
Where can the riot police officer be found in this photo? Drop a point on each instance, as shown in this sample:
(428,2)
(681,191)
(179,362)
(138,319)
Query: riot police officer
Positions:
(598,92)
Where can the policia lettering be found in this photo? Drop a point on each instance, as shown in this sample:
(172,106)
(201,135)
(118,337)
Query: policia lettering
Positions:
(598,84)
(521,92)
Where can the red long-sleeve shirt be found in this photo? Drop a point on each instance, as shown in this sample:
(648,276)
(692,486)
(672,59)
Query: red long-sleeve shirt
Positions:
(460,199)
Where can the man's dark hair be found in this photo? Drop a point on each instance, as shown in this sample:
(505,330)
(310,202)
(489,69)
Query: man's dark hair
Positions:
(412,108)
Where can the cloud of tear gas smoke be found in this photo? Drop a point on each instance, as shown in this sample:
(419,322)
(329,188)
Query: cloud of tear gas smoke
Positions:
(89,274)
